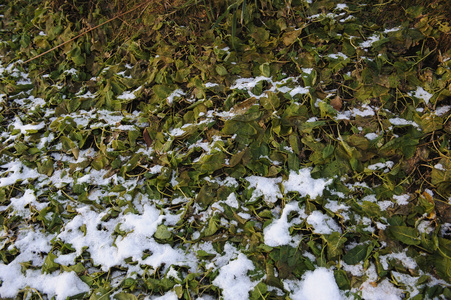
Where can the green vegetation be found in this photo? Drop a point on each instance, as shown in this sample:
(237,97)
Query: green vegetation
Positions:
(145,155)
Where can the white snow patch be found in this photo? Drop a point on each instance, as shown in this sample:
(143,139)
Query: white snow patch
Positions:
(371,136)
(303,183)
(129,95)
(382,291)
(440,111)
(439,167)
(402,199)
(277,233)
(400,121)
(175,93)
(233,278)
(338,55)
(299,90)
(266,187)
(17,171)
(315,285)
(420,93)
(322,224)
(369,41)
(379,166)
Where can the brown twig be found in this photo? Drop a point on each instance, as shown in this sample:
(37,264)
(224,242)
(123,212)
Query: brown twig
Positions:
(85,32)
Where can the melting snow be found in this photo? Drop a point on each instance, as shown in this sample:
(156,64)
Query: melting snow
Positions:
(316,285)
(420,93)
(233,279)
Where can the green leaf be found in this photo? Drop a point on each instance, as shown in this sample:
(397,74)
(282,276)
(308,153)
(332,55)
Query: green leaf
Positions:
(265,70)
(46,167)
(355,255)
(342,279)
(99,162)
(162,232)
(335,244)
(49,263)
(179,291)
(207,194)
(211,228)
(231,127)
(326,109)
(162,91)
(443,267)
(78,268)
(290,37)
(100,293)
(221,70)
(271,102)
(328,151)
(124,296)
(213,162)
(68,144)
(405,234)
(259,291)
(371,208)
(76,56)
(445,246)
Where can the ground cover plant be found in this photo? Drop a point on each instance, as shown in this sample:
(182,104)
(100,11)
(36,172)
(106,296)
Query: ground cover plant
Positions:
(225,149)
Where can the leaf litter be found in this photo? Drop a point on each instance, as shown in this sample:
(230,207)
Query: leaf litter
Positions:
(310,163)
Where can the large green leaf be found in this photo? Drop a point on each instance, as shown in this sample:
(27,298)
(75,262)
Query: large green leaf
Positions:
(405,234)
(335,242)
(356,254)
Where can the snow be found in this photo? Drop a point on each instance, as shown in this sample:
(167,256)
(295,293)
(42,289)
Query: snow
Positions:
(372,136)
(364,111)
(369,41)
(176,93)
(338,55)
(249,83)
(440,111)
(24,129)
(108,251)
(304,184)
(401,257)
(439,167)
(400,122)
(402,199)
(16,171)
(176,132)
(277,233)
(322,224)
(379,166)
(420,93)
(59,284)
(315,285)
(62,285)
(28,198)
(129,95)
(380,291)
(71,71)
(266,187)
(171,295)
(129,236)
(233,279)
(298,90)
(394,29)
